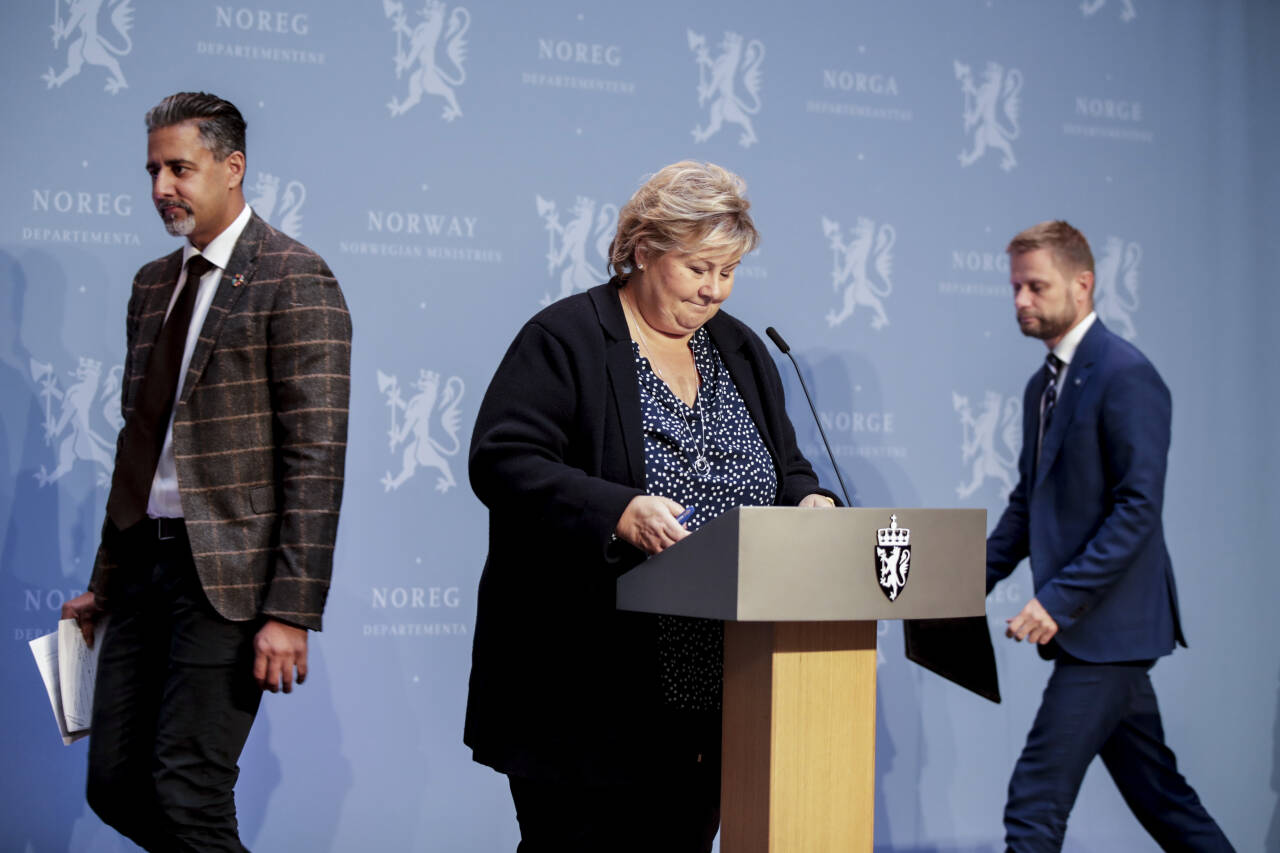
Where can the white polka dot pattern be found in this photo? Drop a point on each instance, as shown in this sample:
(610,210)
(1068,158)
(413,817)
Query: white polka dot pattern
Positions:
(691,651)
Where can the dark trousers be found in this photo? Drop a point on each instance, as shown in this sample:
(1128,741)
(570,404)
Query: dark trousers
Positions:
(675,811)
(174,702)
(1107,710)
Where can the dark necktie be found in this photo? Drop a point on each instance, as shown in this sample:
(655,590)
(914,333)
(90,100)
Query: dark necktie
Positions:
(1052,366)
(145,430)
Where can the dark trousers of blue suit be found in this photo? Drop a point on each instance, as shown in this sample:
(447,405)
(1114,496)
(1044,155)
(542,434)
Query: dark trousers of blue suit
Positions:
(1108,710)
(173,704)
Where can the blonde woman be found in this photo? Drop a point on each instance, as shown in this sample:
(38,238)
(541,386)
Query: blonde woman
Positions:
(620,420)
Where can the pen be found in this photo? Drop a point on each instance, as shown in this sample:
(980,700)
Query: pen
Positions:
(684,517)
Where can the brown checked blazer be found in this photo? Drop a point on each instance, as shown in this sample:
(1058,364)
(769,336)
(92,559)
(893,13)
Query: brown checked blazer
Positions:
(259,430)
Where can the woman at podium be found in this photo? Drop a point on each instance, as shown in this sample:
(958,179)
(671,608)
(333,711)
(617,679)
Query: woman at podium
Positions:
(620,420)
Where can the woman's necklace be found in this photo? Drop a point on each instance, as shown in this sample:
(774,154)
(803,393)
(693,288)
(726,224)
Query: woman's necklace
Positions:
(701,465)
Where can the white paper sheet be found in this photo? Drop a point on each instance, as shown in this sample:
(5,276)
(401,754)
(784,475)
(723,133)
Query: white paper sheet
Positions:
(69,669)
(77,672)
(45,650)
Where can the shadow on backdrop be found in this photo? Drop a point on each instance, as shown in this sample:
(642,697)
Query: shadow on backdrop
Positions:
(50,796)
(294,764)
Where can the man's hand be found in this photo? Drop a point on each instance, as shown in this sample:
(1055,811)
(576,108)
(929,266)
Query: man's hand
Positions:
(1033,624)
(278,649)
(85,610)
(817,501)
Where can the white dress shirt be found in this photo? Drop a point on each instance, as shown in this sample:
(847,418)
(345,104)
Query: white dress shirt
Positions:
(165,500)
(1066,348)
(1065,351)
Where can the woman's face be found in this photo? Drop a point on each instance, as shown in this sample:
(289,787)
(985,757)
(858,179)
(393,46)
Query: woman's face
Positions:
(680,291)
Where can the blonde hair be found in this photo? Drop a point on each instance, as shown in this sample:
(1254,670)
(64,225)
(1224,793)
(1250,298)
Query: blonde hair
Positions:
(1070,248)
(687,206)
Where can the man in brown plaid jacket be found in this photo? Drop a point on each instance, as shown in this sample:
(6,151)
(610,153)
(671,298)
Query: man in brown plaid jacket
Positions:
(218,544)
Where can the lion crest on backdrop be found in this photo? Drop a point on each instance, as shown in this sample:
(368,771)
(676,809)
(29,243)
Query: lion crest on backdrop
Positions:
(717,84)
(416,423)
(863,266)
(69,417)
(417,59)
(1127,10)
(999,415)
(87,45)
(1115,289)
(990,112)
(567,250)
(282,211)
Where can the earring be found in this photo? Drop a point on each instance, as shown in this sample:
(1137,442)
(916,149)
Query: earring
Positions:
(640,267)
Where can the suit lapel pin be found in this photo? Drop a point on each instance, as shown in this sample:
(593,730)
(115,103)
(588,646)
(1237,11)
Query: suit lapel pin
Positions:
(237,280)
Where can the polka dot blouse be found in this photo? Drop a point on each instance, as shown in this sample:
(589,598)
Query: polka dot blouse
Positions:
(709,456)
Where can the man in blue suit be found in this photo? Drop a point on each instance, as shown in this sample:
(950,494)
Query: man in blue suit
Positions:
(1087,511)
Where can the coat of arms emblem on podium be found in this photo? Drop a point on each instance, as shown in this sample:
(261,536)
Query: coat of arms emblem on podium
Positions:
(893,558)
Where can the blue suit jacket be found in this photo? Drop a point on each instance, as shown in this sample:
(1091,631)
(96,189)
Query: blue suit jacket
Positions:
(1089,513)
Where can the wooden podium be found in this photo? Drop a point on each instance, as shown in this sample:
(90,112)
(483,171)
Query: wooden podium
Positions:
(799,591)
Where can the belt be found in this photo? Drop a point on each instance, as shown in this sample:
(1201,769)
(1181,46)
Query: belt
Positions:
(159,530)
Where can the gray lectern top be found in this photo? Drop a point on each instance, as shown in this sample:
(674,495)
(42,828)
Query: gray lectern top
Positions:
(787,564)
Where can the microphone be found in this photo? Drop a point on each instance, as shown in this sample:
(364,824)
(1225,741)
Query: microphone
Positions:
(786,350)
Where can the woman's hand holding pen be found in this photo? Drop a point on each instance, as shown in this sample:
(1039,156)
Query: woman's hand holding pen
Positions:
(652,523)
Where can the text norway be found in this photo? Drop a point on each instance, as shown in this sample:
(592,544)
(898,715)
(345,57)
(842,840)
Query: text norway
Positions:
(431,224)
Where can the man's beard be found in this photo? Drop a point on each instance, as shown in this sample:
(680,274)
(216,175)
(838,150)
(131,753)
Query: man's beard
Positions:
(1049,327)
(178,226)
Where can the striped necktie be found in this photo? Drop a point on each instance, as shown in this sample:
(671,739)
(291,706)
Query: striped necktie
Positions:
(1052,368)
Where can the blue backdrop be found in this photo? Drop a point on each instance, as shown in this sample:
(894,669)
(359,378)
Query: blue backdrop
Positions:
(460,165)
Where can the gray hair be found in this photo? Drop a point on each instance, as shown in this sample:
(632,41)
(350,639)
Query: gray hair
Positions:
(221,125)
(687,206)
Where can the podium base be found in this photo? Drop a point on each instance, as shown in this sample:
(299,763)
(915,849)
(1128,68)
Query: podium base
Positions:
(799,737)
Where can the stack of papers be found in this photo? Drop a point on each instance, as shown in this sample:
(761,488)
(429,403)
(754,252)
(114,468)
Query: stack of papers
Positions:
(69,669)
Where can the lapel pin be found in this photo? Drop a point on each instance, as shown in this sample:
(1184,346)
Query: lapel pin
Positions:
(237,280)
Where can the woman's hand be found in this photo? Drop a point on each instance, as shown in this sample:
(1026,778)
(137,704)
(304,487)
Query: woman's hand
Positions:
(817,501)
(649,523)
